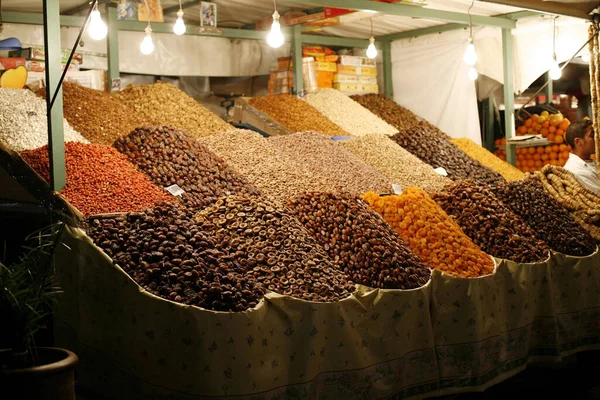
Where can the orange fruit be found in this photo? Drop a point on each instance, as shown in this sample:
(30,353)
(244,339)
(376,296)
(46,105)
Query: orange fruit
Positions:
(537,157)
(560,132)
(555,148)
(537,127)
(530,163)
(531,150)
(551,137)
(545,157)
(548,149)
(552,129)
(544,132)
(528,123)
(559,139)
(546,124)
(554,156)
(547,162)
(564,124)
(539,150)
(538,164)
(562,147)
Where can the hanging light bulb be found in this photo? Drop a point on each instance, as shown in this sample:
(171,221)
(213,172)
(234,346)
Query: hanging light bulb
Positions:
(470,57)
(147,46)
(371,50)
(586,57)
(179,27)
(275,37)
(472,74)
(97,28)
(555,71)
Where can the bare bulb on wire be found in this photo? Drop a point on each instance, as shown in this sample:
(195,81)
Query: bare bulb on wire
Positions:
(555,71)
(472,74)
(470,57)
(179,27)
(586,57)
(275,37)
(147,45)
(371,50)
(97,28)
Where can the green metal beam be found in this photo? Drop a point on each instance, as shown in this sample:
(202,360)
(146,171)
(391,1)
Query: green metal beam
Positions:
(297,60)
(38,19)
(56,142)
(489,117)
(334,41)
(388,87)
(413,12)
(174,9)
(113,78)
(192,30)
(509,97)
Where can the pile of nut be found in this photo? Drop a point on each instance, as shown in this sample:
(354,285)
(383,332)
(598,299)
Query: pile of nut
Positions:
(490,224)
(97,115)
(348,114)
(549,219)
(273,248)
(165,252)
(170,106)
(99,179)
(388,110)
(332,162)
(431,233)
(295,114)
(488,159)
(171,157)
(278,177)
(400,166)
(435,150)
(359,241)
(23,121)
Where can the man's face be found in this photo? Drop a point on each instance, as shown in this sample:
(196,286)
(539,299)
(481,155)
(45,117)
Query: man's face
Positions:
(588,145)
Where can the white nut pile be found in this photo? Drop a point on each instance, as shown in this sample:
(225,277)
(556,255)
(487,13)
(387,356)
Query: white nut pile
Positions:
(23,123)
(396,163)
(330,160)
(348,114)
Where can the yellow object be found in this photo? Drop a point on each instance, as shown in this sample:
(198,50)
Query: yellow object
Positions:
(15,78)
(326,66)
(352,70)
(480,154)
(346,87)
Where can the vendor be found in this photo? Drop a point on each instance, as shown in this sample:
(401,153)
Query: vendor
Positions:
(580,136)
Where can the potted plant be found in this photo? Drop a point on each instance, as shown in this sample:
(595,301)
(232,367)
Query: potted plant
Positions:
(27,290)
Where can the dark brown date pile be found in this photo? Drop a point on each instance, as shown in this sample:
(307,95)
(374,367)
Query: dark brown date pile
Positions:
(167,254)
(359,241)
(549,219)
(274,248)
(437,151)
(492,226)
(171,157)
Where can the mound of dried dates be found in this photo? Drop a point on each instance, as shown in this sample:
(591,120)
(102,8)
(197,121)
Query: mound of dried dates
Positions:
(171,157)
(490,224)
(432,148)
(359,241)
(549,219)
(273,248)
(166,253)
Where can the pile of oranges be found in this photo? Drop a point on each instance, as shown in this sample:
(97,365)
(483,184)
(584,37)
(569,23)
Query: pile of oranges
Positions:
(552,127)
(431,233)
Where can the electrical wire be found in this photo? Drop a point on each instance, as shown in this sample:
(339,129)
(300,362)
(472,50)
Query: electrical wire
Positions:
(371,19)
(470,20)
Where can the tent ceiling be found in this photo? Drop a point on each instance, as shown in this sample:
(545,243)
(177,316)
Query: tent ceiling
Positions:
(574,8)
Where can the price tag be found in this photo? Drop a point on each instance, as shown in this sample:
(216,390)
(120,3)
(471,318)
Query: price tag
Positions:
(175,190)
(441,171)
(397,189)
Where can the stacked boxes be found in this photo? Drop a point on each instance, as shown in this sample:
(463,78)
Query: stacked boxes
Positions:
(282,77)
(356,75)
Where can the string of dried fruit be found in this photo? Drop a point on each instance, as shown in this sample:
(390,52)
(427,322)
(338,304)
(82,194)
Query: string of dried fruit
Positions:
(171,157)
(273,247)
(436,151)
(431,233)
(99,179)
(583,204)
(550,221)
(165,252)
(359,241)
(490,224)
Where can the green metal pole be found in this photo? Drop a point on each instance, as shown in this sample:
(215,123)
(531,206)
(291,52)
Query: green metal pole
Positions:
(550,88)
(297,59)
(113,79)
(56,143)
(388,86)
(488,106)
(509,100)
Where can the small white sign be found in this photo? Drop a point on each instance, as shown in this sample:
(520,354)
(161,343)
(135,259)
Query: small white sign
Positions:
(441,171)
(397,189)
(175,190)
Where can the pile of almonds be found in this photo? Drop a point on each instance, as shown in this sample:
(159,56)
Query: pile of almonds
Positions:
(295,114)
(490,224)
(274,249)
(437,151)
(171,157)
(549,219)
(359,241)
(165,252)
(99,179)
(331,161)
(97,115)
(170,106)
(431,233)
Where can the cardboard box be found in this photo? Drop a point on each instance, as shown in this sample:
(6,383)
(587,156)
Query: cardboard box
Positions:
(281,74)
(367,79)
(369,88)
(352,70)
(346,87)
(40,66)
(11,62)
(331,58)
(324,79)
(279,90)
(39,54)
(340,78)
(326,66)
(351,60)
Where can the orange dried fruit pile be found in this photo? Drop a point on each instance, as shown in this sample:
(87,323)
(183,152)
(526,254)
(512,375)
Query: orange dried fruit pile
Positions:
(431,233)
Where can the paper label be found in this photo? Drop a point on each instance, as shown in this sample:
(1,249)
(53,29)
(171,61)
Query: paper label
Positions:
(175,190)
(397,189)
(441,171)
